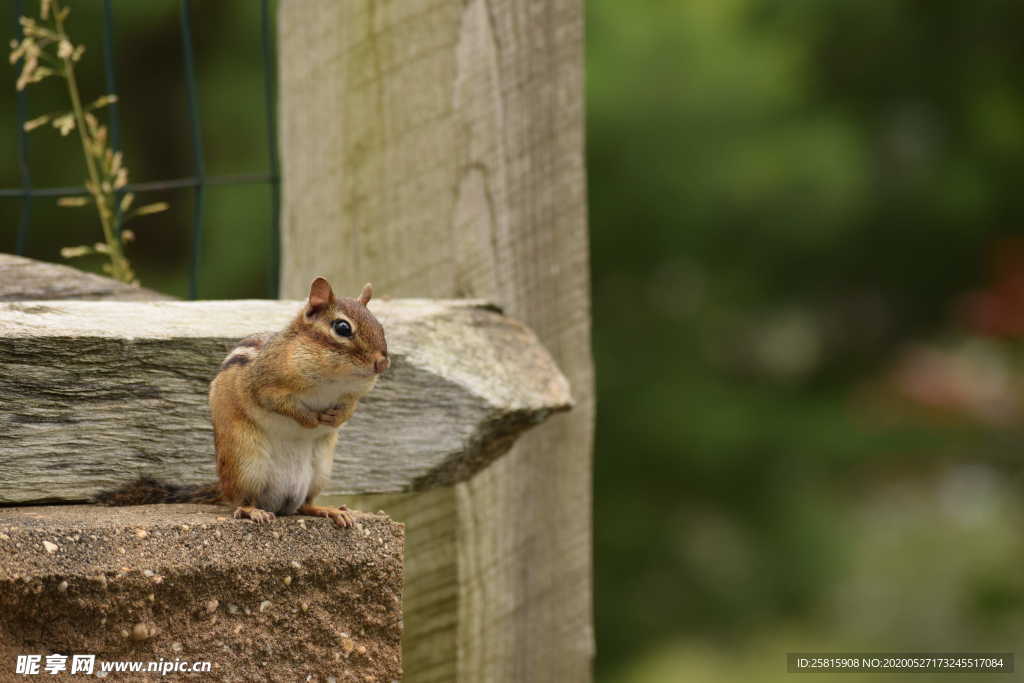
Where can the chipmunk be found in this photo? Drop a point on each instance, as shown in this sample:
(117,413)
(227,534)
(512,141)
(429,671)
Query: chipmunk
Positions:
(277,403)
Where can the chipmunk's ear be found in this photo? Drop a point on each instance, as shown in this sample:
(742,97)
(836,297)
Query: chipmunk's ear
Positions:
(320,296)
(367,294)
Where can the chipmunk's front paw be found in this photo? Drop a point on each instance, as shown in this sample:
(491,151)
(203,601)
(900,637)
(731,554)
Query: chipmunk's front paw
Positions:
(332,417)
(340,515)
(254,513)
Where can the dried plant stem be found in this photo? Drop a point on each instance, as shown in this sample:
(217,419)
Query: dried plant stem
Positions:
(107,173)
(103,196)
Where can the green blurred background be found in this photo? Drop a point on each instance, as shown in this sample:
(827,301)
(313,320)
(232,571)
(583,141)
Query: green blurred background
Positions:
(808,303)
(808,306)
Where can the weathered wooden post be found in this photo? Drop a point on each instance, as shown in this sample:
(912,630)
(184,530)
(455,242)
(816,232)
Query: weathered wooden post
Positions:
(436,148)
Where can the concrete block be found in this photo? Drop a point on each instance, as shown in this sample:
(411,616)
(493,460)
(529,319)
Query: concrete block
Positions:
(294,600)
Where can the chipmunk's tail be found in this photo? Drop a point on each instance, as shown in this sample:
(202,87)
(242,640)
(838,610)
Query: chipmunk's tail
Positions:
(146,491)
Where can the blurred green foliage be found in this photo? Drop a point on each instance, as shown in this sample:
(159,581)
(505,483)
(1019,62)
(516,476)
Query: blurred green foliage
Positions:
(785,196)
(788,200)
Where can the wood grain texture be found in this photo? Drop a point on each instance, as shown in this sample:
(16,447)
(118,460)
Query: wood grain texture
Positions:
(436,148)
(24,279)
(95,393)
(430,596)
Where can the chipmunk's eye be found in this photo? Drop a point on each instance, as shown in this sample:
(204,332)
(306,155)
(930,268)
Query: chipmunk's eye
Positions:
(342,328)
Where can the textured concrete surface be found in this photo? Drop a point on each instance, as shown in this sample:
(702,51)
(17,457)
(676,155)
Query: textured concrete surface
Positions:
(294,600)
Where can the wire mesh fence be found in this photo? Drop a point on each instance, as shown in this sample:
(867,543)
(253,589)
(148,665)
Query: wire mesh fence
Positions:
(199,180)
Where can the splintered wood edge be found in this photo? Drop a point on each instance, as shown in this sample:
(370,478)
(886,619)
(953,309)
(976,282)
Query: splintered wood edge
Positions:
(25,279)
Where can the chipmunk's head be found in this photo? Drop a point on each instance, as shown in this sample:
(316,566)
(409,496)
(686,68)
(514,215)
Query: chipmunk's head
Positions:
(350,339)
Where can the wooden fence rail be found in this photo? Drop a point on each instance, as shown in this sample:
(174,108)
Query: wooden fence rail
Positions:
(94,393)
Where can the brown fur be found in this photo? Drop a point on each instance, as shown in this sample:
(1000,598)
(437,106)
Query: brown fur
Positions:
(145,491)
(305,355)
(266,374)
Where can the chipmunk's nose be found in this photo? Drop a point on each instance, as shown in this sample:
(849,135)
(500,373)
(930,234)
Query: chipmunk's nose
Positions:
(381,362)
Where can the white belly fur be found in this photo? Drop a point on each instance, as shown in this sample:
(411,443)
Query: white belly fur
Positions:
(298,458)
(294,463)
